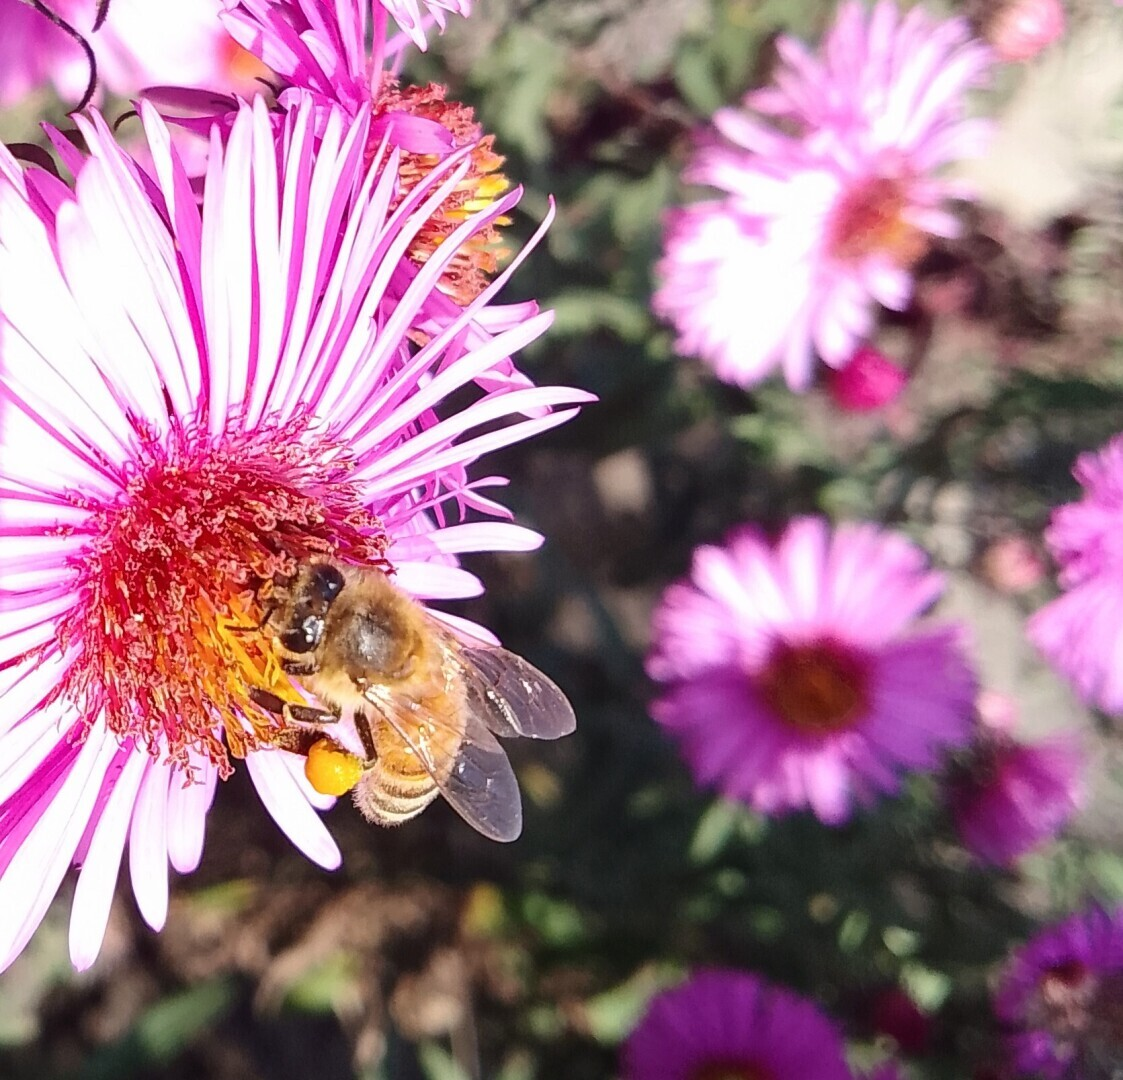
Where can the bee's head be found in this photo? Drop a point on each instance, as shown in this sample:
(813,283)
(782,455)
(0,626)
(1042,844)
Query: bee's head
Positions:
(313,592)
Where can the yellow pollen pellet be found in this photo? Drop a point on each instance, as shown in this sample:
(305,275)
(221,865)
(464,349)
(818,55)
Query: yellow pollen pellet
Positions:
(330,769)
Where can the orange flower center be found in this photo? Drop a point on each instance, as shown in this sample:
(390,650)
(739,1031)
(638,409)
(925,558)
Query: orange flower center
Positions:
(818,688)
(869,219)
(163,632)
(467,275)
(730,1070)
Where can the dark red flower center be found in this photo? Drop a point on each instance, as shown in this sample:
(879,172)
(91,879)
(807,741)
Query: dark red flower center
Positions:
(817,687)
(869,219)
(169,586)
(1065,993)
(730,1070)
(467,275)
(1079,1006)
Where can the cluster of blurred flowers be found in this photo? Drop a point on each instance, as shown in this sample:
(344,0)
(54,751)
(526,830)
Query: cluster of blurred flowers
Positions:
(793,672)
(1058,999)
(238,340)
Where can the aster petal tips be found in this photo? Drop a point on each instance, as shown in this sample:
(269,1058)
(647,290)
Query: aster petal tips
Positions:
(413,16)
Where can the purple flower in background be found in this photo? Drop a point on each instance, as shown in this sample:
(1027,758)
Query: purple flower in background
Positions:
(141,42)
(730,1024)
(1007,797)
(195,398)
(793,675)
(1062,998)
(827,207)
(1081,632)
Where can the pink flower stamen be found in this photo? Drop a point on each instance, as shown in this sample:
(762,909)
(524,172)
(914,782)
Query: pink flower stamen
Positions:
(869,220)
(817,688)
(171,577)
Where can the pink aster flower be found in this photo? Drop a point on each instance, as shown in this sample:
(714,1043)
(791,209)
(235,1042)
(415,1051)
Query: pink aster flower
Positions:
(319,48)
(722,1023)
(792,674)
(1080,633)
(1061,998)
(1019,30)
(195,398)
(1008,797)
(140,43)
(868,381)
(822,220)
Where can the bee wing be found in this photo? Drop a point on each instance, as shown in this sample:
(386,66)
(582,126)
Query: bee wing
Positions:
(480,784)
(511,696)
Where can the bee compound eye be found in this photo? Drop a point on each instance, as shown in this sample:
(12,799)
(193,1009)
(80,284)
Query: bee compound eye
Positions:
(327,581)
(305,636)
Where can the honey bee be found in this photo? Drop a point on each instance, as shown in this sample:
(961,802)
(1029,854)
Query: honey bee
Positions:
(425,705)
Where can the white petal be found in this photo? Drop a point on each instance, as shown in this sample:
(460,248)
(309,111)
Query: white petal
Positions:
(282,797)
(97,882)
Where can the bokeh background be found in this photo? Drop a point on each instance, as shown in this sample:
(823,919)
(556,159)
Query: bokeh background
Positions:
(435,954)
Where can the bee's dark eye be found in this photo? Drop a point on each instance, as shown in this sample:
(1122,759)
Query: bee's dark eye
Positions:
(326,581)
(305,636)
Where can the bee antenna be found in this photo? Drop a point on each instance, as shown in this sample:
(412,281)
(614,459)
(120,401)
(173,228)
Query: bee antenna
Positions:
(83,44)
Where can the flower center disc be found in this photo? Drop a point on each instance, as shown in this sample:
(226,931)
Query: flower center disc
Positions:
(1065,994)
(164,634)
(869,220)
(817,688)
(467,275)
(729,1070)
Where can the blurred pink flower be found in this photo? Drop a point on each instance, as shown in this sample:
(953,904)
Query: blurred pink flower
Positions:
(1008,798)
(319,47)
(825,213)
(867,382)
(194,397)
(1020,29)
(1081,633)
(792,674)
(140,43)
(1061,997)
(1011,564)
(722,1023)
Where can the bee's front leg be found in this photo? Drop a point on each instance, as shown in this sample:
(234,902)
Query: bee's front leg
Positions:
(294,714)
(298,667)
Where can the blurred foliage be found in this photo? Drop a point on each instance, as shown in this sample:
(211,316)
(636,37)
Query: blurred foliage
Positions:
(436,955)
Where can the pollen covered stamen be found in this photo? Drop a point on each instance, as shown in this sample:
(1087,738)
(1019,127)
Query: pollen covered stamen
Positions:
(166,633)
(817,687)
(467,274)
(870,219)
